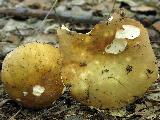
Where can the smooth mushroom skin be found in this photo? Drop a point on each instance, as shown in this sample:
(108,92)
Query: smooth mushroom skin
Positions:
(32,75)
(107,80)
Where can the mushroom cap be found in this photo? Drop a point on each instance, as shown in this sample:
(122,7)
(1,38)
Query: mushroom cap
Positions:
(31,75)
(110,66)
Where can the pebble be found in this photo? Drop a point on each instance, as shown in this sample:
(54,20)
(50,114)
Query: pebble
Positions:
(156,26)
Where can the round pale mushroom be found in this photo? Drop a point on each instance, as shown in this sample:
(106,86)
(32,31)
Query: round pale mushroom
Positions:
(32,75)
(110,66)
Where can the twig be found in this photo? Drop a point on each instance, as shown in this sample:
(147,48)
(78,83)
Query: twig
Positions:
(49,12)
(24,13)
(114,3)
(58,112)
(13,117)
(153,91)
(20,35)
(55,113)
(111,11)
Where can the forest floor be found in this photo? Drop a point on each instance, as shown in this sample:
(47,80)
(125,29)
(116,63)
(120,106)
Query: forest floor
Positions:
(18,27)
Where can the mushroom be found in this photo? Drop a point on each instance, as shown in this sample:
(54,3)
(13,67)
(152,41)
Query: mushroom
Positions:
(31,75)
(110,66)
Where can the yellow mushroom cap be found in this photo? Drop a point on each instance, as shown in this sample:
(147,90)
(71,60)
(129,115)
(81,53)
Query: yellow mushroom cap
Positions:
(32,74)
(111,65)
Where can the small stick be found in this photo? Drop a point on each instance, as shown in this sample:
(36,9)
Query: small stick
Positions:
(24,13)
(114,3)
(110,11)
(20,35)
(49,12)
(55,113)
(13,117)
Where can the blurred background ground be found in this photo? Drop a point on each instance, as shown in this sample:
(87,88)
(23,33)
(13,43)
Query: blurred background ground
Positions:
(18,27)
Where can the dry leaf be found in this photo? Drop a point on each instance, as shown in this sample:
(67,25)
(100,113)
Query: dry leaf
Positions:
(44,38)
(75,11)
(43,4)
(154,97)
(142,8)
(78,2)
(129,2)
(14,25)
(118,112)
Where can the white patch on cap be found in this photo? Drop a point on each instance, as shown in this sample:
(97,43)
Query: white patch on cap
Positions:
(25,93)
(129,32)
(38,90)
(111,18)
(117,46)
